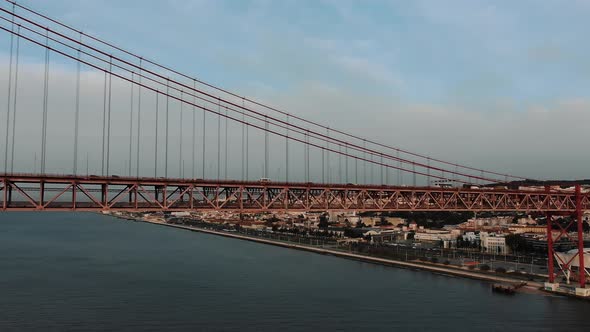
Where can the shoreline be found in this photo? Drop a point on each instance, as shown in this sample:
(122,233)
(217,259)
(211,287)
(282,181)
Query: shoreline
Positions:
(531,286)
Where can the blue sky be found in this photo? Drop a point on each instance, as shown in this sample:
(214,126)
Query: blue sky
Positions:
(405,72)
(466,53)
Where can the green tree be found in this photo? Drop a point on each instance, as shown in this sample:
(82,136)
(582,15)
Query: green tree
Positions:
(383,222)
(323,221)
(360,224)
(516,243)
(500,270)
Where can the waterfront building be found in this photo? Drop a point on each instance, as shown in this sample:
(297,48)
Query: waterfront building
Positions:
(429,235)
(494,244)
(520,229)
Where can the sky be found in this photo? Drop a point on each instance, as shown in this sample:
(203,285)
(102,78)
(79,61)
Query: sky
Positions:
(501,85)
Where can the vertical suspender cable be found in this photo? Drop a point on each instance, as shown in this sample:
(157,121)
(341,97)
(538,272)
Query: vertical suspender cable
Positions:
(104,119)
(356,171)
(218,139)
(308,156)
(327,156)
(45,103)
(346,162)
(138,121)
(203,147)
(131,124)
(305,157)
(180,172)
(339,164)
(226,145)
(109,115)
(386,173)
(287,152)
(156,138)
(77,112)
(266,153)
(167,118)
(364,163)
(243,140)
(14,101)
(414,174)
(324,162)
(399,172)
(371,169)
(247,149)
(194,132)
(428,174)
(9,95)
(381,171)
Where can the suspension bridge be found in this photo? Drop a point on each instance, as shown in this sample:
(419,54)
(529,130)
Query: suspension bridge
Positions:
(95,127)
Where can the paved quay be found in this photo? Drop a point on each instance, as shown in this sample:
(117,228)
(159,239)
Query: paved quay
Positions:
(383,261)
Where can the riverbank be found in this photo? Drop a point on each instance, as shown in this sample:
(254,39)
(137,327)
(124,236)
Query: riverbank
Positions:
(445,270)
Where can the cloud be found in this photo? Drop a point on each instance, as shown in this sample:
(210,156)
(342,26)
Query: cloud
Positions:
(365,68)
(484,83)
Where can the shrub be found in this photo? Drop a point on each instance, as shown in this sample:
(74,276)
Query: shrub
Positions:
(484,267)
(447,262)
(434,260)
(500,270)
(471,267)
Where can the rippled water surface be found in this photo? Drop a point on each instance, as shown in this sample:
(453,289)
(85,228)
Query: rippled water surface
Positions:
(66,271)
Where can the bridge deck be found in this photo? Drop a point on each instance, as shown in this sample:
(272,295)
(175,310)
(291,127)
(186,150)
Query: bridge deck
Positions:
(34,192)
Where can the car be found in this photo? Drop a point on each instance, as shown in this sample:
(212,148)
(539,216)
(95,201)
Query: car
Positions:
(264,180)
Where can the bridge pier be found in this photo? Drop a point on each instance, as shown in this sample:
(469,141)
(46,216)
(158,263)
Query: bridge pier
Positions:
(550,263)
(580,229)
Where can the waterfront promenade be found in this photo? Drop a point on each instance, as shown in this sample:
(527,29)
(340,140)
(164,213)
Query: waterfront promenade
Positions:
(458,272)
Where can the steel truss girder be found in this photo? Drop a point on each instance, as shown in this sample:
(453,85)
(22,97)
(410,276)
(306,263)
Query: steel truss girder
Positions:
(25,192)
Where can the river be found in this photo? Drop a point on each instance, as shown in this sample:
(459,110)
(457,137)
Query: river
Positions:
(82,271)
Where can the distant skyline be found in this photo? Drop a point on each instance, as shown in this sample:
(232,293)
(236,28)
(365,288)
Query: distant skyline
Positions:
(500,85)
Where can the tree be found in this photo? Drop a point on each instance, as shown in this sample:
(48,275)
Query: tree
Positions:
(383,222)
(516,243)
(460,242)
(323,221)
(270,221)
(500,270)
(349,232)
(360,224)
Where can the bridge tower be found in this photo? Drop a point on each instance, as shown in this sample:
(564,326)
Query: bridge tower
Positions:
(566,262)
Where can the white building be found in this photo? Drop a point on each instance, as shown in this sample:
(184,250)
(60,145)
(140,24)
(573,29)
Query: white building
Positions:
(494,244)
(433,235)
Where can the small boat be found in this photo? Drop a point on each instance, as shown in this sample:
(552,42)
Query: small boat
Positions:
(504,289)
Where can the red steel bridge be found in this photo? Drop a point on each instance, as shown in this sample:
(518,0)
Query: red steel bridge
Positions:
(146,137)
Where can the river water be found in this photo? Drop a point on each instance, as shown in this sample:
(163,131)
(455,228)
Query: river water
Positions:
(78,271)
